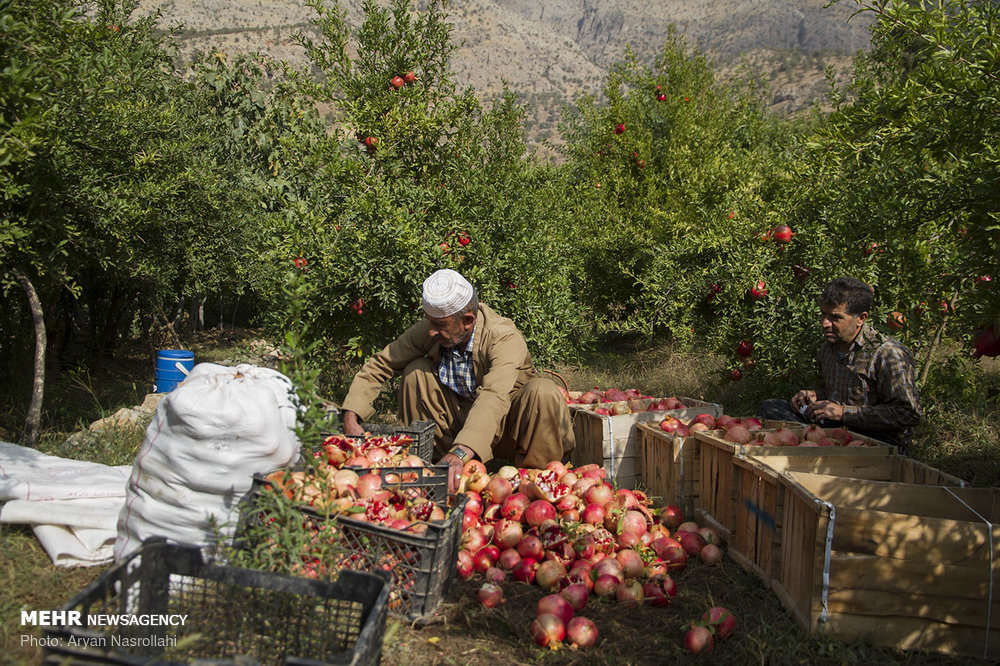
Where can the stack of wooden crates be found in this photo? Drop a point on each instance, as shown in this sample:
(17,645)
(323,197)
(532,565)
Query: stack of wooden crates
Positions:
(856,542)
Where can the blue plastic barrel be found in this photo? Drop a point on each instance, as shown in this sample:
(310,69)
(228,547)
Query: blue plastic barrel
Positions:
(172,366)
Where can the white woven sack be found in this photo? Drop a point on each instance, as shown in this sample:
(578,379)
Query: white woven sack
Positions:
(209,436)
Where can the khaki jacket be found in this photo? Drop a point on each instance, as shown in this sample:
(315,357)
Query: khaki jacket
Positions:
(501,361)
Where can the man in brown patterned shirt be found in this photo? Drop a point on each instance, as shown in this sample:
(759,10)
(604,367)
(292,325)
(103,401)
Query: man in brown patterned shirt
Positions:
(866,378)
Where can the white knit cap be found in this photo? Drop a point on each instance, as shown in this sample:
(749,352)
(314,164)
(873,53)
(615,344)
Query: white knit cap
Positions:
(446,293)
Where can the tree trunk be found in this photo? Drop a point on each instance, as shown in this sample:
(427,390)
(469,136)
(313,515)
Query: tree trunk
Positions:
(32,425)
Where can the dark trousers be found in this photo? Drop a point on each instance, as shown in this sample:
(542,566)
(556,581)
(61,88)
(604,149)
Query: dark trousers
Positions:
(779,409)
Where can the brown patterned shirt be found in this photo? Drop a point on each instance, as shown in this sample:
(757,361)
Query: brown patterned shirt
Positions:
(874,382)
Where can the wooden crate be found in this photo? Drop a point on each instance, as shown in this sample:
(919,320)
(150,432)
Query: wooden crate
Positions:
(758,530)
(667,466)
(716,505)
(906,565)
(610,441)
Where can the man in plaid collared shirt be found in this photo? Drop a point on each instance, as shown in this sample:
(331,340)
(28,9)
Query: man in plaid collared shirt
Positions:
(866,378)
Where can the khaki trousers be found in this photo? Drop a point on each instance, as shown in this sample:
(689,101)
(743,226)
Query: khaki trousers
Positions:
(535,431)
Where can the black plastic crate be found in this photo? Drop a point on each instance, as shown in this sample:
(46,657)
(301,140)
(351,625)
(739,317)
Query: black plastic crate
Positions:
(420,566)
(421,432)
(234,616)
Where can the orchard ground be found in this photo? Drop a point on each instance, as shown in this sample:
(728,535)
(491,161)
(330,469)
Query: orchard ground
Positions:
(966,443)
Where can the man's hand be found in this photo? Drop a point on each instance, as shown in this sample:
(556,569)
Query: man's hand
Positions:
(803,399)
(455,466)
(351,425)
(825,410)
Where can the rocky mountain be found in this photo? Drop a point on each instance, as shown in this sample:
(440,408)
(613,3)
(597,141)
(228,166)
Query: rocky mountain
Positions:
(548,51)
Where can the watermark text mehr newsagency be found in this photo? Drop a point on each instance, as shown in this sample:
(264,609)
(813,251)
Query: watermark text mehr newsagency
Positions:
(75,619)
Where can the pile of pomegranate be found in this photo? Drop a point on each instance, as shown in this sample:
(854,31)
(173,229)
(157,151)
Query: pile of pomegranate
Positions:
(368,451)
(616,401)
(750,430)
(568,531)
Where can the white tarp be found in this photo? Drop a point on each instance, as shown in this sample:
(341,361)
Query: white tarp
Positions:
(72,505)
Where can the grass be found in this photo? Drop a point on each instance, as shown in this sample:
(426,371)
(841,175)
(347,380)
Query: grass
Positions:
(962,439)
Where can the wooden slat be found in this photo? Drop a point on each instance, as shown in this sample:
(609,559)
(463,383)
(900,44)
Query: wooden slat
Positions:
(871,572)
(950,610)
(757,517)
(908,633)
(909,498)
(876,466)
(911,537)
(667,466)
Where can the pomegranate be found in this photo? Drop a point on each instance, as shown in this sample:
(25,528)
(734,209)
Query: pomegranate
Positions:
(600,494)
(654,595)
(710,554)
(576,594)
(615,395)
(513,507)
(581,632)
(744,348)
(766,439)
(606,586)
(782,234)
(759,290)
(786,437)
(490,595)
(508,559)
(738,434)
(671,516)
(691,542)
(813,433)
(507,533)
(698,639)
(589,398)
(609,566)
(550,574)
(548,630)
(555,604)
(484,558)
(474,503)
(524,571)
(720,619)
(531,546)
(584,484)
(707,419)
(669,586)
(629,592)
(369,484)
(497,490)
(631,561)
(473,539)
(842,435)
(465,565)
(669,424)
(710,535)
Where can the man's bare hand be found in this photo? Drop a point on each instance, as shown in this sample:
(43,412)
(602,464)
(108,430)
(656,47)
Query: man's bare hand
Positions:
(455,466)
(803,399)
(351,424)
(825,410)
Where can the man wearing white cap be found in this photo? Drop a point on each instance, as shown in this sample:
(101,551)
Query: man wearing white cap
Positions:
(467,369)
